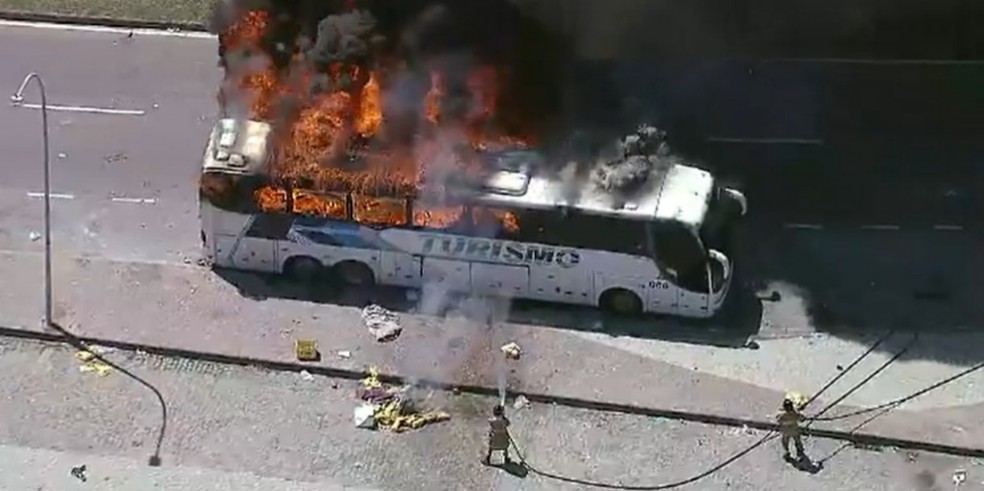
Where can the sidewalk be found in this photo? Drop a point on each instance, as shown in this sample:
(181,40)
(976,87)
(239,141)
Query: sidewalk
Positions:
(194,309)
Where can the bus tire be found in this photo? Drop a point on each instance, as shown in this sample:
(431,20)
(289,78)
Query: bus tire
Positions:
(621,302)
(353,273)
(304,269)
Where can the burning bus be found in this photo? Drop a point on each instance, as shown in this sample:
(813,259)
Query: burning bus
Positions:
(512,231)
(367,169)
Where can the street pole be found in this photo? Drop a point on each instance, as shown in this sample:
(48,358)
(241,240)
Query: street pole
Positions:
(17,99)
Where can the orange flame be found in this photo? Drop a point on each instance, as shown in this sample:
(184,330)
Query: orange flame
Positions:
(339,141)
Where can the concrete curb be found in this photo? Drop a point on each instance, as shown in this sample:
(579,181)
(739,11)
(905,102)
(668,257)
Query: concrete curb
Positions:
(74,20)
(864,439)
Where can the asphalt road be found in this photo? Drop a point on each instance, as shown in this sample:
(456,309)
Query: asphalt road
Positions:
(98,157)
(226,423)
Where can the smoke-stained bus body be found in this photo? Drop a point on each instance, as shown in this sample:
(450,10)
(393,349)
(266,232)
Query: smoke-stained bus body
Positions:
(522,235)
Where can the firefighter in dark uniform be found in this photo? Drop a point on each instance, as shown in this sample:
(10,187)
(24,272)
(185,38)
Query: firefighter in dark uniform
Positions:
(789,426)
(498,435)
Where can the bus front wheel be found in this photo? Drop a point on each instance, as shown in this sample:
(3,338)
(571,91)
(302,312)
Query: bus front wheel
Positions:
(304,269)
(354,274)
(622,302)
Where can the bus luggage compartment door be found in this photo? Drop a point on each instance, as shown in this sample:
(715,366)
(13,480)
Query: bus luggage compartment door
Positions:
(500,280)
(446,274)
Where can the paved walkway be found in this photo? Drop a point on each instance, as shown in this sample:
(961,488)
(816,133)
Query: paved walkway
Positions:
(193,308)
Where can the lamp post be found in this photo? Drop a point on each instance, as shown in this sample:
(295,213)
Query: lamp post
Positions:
(17,99)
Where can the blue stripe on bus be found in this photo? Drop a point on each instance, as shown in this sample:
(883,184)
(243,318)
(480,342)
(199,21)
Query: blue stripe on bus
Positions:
(340,234)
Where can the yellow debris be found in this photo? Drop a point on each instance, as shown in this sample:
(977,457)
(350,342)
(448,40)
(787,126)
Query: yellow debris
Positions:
(391,417)
(91,364)
(306,350)
(397,414)
(372,379)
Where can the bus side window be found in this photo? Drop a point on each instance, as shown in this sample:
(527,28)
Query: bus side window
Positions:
(606,234)
(272,226)
(541,227)
(677,248)
(494,223)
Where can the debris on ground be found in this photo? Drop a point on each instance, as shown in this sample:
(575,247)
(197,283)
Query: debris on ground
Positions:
(383,324)
(92,364)
(306,375)
(78,472)
(521,402)
(345,354)
(34,236)
(306,350)
(512,351)
(392,408)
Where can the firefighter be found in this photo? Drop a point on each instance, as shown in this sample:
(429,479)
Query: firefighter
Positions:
(789,425)
(498,435)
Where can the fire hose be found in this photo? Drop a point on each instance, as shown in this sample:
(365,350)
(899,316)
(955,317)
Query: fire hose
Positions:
(767,437)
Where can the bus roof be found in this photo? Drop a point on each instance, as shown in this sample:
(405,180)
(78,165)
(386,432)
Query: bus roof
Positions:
(673,192)
(238,147)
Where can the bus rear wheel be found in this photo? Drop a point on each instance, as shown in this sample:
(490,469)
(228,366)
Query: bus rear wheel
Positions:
(621,302)
(303,269)
(354,274)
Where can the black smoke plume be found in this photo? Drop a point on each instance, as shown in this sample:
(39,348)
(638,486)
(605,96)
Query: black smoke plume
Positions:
(454,34)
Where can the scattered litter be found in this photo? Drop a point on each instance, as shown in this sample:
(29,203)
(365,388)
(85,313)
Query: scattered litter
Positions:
(78,472)
(512,351)
(34,236)
(521,402)
(91,364)
(744,430)
(345,354)
(306,375)
(393,408)
(382,323)
(306,350)
(959,476)
(365,416)
(62,156)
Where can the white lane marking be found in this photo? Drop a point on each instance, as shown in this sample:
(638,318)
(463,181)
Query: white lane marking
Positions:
(53,195)
(880,227)
(868,61)
(108,30)
(948,227)
(85,109)
(142,201)
(804,226)
(766,141)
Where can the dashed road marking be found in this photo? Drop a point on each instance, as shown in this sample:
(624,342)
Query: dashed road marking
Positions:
(85,109)
(803,226)
(107,30)
(141,201)
(52,195)
(766,141)
(881,227)
(953,228)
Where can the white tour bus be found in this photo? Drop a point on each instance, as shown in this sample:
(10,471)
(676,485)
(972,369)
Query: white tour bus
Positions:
(665,251)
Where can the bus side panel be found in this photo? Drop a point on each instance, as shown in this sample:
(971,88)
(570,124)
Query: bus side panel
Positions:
(220,231)
(613,270)
(552,283)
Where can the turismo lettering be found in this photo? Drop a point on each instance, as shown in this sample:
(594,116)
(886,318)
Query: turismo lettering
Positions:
(499,251)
